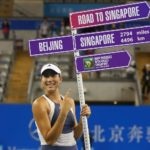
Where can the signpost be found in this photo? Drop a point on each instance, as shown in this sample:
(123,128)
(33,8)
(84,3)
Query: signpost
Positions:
(112,38)
(109,15)
(97,17)
(103,61)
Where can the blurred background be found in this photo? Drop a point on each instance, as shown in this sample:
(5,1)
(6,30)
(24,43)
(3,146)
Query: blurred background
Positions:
(23,20)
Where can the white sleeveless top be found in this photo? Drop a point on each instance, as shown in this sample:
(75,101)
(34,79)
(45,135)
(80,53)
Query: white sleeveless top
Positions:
(65,139)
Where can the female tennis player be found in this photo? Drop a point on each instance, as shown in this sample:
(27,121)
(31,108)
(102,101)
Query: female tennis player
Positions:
(54,114)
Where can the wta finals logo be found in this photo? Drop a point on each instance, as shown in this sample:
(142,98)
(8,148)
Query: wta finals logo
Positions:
(33,130)
(88,63)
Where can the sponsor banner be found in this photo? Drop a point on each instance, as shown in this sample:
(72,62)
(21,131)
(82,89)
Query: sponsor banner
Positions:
(111,127)
(109,15)
(17,128)
(119,127)
(104,61)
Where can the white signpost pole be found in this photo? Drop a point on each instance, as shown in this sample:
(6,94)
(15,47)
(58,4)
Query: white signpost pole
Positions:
(82,101)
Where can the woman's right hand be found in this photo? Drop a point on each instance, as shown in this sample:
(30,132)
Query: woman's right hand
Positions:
(67,102)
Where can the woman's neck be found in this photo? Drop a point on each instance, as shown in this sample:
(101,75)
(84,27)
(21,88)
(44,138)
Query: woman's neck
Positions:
(54,96)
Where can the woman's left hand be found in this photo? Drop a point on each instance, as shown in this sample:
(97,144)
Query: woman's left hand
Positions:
(85,111)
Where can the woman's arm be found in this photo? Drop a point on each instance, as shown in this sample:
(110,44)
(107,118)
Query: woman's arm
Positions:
(78,130)
(41,112)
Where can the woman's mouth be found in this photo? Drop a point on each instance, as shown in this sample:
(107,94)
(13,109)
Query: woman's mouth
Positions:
(50,84)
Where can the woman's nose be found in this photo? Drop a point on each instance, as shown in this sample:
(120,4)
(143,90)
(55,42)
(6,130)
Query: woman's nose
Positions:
(49,78)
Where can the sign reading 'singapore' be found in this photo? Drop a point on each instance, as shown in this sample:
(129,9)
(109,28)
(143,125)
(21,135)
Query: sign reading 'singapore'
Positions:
(115,14)
(112,38)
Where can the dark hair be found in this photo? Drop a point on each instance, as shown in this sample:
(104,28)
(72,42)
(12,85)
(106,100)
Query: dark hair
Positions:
(49,72)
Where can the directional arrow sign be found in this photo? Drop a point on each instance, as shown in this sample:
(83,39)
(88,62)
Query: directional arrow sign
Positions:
(109,15)
(51,45)
(111,38)
(119,59)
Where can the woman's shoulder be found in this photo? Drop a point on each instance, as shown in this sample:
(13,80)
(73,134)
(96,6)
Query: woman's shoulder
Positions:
(40,101)
(40,104)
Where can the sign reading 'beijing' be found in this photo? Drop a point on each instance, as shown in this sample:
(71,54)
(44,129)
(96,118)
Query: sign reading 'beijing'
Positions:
(51,45)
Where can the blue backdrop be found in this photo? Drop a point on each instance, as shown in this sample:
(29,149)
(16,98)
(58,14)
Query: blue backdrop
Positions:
(63,10)
(111,128)
(27,24)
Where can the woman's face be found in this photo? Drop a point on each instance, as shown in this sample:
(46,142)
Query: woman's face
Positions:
(51,83)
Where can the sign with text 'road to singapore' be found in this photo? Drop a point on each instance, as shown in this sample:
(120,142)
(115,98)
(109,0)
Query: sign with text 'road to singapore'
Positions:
(103,61)
(109,15)
(51,45)
(111,38)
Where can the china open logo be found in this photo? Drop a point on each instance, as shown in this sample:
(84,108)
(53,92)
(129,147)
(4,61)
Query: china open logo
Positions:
(33,130)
